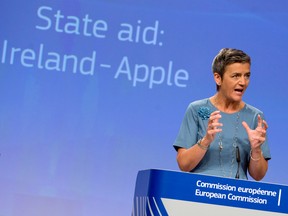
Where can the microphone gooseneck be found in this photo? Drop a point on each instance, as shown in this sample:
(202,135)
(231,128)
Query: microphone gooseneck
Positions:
(238,161)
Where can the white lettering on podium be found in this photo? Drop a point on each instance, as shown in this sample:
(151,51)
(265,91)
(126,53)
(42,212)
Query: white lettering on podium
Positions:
(210,195)
(251,195)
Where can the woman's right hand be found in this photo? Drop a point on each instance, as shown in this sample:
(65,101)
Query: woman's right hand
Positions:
(214,126)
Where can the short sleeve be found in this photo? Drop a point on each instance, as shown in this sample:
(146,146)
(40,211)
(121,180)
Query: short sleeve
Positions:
(187,135)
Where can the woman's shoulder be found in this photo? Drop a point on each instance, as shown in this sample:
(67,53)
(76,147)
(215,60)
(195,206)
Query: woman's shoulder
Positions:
(200,103)
(251,109)
(201,108)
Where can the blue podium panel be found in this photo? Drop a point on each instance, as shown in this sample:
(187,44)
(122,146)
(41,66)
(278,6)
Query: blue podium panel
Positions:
(163,192)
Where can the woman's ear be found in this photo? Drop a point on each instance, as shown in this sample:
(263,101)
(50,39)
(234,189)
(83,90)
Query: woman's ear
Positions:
(217,78)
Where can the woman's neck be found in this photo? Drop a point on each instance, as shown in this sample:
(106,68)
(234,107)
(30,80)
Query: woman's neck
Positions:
(225,105)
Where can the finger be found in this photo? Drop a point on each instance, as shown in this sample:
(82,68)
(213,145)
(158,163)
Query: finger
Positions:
(261,139)
(213,131)
(260,121)
(214,121)
(215,112)
(214,125)
(265,125)
(263,134)
(245,125)
(215,116)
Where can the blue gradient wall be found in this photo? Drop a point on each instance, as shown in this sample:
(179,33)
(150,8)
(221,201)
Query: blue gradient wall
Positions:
(93,92)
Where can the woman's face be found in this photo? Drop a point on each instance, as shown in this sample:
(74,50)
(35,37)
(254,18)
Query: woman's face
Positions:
(235,81)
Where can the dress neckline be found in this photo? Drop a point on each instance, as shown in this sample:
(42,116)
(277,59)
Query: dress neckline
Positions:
(233,113)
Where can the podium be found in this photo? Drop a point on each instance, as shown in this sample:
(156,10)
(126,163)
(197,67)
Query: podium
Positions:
(176,193)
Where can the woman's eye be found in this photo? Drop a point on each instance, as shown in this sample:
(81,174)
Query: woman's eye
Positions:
(247,76)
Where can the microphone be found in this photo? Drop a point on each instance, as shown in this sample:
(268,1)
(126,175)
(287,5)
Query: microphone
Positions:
(238,161)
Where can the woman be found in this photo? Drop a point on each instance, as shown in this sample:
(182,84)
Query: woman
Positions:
(222,135)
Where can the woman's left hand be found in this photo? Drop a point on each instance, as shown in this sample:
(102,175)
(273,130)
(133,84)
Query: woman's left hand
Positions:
(258,136)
